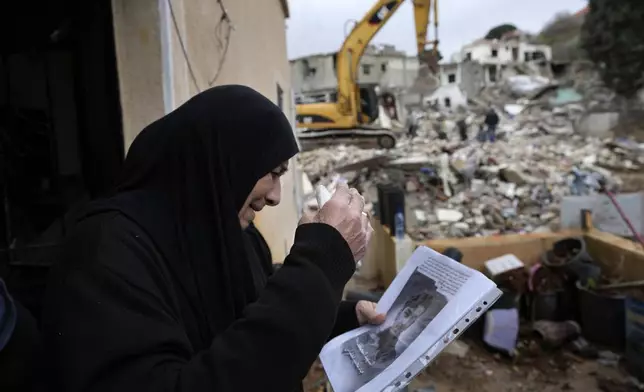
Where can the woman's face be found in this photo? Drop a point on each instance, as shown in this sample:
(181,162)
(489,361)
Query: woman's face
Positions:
(267,191)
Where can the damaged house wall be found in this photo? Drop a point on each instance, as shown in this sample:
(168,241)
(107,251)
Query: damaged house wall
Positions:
(447,97)
(384,66)
(156,76)
(313,73)
(464,188)
(505,51)
(472,78)
(497,55)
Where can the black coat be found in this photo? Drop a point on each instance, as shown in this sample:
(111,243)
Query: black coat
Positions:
(158,289)
(491,118)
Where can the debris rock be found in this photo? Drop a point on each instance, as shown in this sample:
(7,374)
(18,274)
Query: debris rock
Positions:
(445,215)
(548,146)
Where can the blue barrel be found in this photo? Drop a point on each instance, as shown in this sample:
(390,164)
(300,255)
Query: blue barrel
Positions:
(635,337)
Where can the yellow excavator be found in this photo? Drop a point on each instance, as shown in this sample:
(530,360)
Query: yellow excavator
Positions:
(356,108)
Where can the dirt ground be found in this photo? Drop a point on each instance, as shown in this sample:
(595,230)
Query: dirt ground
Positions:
(482,371)
(533,370)
(632,181)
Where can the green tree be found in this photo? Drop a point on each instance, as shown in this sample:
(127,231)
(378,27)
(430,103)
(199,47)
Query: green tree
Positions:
(562,28)
(613,38)
(498,31)
(562,34)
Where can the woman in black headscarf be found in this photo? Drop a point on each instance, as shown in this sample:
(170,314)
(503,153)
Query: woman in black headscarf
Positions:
(160,290)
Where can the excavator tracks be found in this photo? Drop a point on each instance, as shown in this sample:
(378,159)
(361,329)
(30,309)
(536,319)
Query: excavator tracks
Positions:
(368,138)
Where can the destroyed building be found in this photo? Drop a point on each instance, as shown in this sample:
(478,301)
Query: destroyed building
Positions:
(460,189)
(486,63)
(314,77)
(496,55)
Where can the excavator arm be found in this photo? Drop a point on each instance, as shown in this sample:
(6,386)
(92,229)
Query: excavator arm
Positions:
(350,54)
(344,118)
(422,12)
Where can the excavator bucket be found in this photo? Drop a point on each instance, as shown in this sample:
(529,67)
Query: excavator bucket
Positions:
(428,60)
(427,78)
(428,54)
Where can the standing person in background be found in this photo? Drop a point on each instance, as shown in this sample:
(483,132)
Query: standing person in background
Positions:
(163,286)
(411,124)
(491,122)
(440,128)
(462,128)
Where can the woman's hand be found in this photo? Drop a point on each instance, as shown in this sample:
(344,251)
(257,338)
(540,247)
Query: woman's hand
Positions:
(344,212)
(366,312)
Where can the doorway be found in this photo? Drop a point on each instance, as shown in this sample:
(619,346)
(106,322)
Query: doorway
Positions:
(61,137)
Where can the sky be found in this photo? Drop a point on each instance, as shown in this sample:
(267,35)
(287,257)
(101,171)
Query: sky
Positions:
(318,26)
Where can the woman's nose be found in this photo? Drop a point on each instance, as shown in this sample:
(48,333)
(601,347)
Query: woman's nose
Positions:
(275,195)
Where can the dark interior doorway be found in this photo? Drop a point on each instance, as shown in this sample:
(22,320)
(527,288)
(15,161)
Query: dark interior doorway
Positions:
(60,129)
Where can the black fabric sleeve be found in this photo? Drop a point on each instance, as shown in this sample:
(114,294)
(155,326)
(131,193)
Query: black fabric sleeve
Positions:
(346,320)
(109,326)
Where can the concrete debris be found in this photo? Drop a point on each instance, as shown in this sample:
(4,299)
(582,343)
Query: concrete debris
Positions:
(457,348)
(523,85)
(543,152)
(445,215)
(597,124)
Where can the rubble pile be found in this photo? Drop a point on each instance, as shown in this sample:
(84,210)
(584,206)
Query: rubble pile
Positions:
(586,78)
(322,162)
(468,189)
(460,189)
(463,189)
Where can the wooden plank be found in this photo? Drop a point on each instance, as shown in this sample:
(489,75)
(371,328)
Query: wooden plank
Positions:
(621,259)
(477,250)
(373,260)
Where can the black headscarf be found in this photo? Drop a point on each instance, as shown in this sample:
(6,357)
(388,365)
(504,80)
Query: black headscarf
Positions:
(185,178)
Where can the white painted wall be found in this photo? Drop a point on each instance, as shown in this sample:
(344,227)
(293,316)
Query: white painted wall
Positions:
(387,71)
(452,92)
(399,73)
(482,51)
(530,48)
(450,69)
(322,78)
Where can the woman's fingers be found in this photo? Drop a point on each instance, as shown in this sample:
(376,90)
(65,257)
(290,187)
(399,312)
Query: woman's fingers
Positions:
(366,312)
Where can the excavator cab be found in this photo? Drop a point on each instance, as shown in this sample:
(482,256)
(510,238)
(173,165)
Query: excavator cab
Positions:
(369,104)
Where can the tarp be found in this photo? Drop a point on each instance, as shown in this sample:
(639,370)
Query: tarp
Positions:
(565,96)
(522,85)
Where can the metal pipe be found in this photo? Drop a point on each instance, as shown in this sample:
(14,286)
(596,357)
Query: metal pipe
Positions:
(628,222)
(166,56)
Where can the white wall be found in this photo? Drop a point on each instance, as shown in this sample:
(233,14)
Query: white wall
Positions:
(388,71)
(400,72)
(450,69)
(323,77)
(452,92)
(482,51)
(530,48)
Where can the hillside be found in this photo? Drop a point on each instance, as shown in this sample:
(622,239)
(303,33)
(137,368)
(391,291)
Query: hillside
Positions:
(563,34)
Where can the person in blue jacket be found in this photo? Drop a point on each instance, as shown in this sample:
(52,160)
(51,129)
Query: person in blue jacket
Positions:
(7,315)
(18,343)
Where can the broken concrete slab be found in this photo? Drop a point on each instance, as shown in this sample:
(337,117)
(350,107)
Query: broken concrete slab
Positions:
(445,215)
(598,124)
(605,215)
